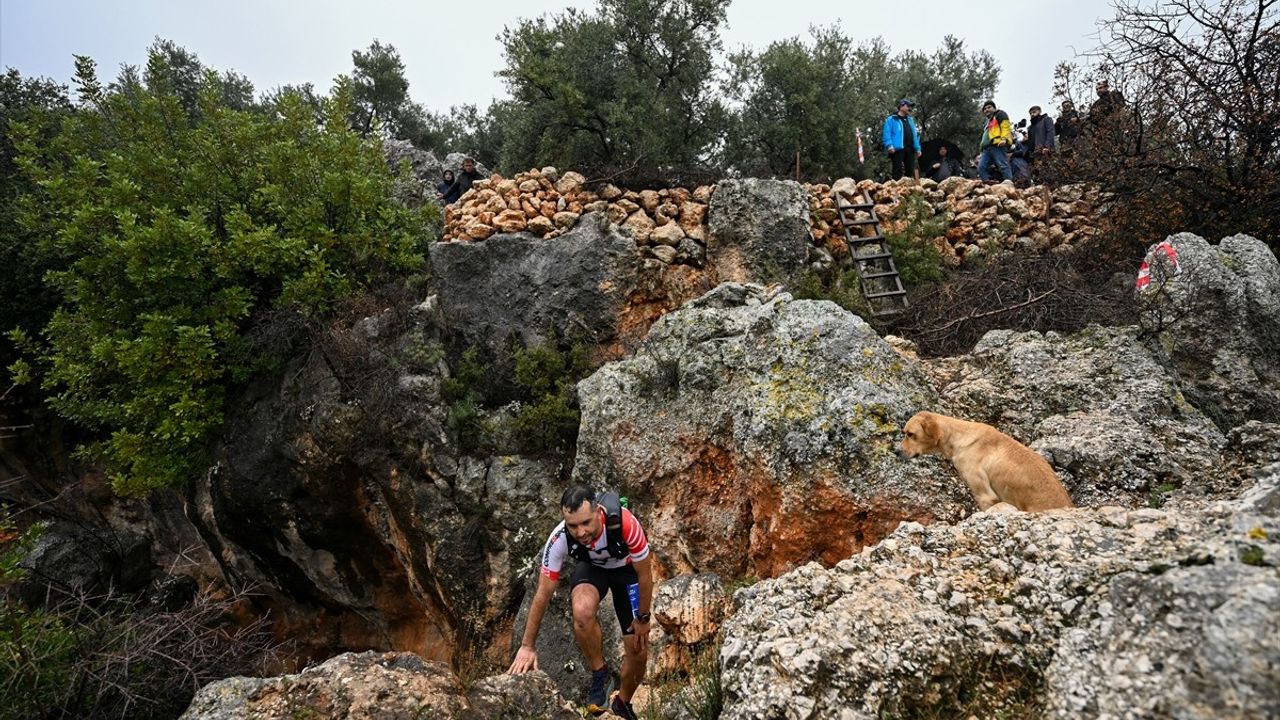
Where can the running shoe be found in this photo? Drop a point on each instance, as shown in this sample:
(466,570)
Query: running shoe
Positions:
(602,684)
(622,708)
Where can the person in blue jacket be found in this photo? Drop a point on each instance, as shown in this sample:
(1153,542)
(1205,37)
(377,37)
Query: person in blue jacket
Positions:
(902,140)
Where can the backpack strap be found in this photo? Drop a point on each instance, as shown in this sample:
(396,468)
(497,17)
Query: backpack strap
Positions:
(613,524)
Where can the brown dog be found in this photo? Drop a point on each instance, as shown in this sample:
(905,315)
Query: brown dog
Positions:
(997,468)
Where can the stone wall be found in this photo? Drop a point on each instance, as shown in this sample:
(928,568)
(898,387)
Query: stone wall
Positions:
(978,217)
(671,224)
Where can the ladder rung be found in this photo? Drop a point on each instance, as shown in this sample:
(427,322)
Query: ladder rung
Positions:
(873,256)
(869,238)
(865,221)
(872,276)
(855,206)
(889,293)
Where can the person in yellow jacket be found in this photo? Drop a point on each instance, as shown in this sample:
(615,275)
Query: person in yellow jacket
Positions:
(997,141)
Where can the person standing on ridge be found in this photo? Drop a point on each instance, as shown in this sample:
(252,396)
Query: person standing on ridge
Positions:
(997,141)
(902,140)
(613,557)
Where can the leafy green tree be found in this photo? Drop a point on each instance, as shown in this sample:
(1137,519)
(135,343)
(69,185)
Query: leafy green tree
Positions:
(171,231)
(25,302)
(626,89)
(175,70)
(795,99)
(463,128)
(381,91)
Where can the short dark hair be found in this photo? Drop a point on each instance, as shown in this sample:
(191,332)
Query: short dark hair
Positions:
(573,498)
(992,103)
(1034,108)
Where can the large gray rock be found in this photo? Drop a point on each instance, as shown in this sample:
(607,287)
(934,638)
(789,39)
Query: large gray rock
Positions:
(379,686)
(1085,613)
(522,287)
(558,653)
(754,433)
(1219,321)
(1097,404)
(759,230)
(339,495)
(71,561)
(1193,643)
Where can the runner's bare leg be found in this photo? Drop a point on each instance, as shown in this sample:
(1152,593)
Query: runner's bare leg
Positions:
(633,664)
(586,630)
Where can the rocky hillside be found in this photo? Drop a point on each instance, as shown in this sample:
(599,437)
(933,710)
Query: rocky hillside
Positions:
(754,434)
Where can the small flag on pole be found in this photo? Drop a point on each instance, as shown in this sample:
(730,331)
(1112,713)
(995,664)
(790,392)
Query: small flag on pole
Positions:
(861,158)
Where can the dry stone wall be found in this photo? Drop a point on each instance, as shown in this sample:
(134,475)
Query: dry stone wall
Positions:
(671,224)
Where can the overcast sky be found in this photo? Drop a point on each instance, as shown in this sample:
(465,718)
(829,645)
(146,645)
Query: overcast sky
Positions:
(451,50)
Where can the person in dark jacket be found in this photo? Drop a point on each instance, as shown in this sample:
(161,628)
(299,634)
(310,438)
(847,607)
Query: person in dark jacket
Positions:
(447,191)
(467,177)
(1040,137)
(945,167)
(901,139)
(1068,126)
(1109,103)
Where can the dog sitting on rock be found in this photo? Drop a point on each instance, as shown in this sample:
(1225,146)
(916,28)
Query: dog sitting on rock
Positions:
(1002,473)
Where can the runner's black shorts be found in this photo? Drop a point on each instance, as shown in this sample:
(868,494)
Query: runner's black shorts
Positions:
(606,580)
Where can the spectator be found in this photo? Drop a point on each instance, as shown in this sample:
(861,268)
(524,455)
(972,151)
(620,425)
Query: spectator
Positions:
(1020,163)
(1040,137)
(946,166)
(447,191)
(902,140)
(1068,126)
(1109,103)
(997,140)
(467,177)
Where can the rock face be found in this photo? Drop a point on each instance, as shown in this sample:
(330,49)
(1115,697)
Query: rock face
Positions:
(1096,404)
(758,229)
(1079,613)
(71,560)
(517,286)
(755,433)
(1218,317)
(337,493)
(1192,642)
(379,686)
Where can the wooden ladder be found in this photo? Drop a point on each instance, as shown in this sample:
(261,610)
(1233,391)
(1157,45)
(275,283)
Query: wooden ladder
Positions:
(872,258)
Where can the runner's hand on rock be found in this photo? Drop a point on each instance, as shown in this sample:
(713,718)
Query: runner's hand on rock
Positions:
(526,660)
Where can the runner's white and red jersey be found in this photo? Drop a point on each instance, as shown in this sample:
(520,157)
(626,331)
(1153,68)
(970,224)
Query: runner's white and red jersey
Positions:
(557,547)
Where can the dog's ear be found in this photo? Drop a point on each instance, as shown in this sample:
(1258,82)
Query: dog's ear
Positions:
(929,426)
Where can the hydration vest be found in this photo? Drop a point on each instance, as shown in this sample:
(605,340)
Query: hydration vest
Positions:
(614,541)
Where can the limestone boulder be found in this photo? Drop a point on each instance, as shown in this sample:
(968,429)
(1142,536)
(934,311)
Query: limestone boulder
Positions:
(758,230)
(691,608)
(755,433)
(515,286)
(1216,312)
(379,686)
(1097,404)
(1079,613)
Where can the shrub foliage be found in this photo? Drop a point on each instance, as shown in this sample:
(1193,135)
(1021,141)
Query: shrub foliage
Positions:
(167,232)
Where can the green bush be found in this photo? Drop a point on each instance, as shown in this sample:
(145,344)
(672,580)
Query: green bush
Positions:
(917,259)
(547,420)
(843,289)
(171,231)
